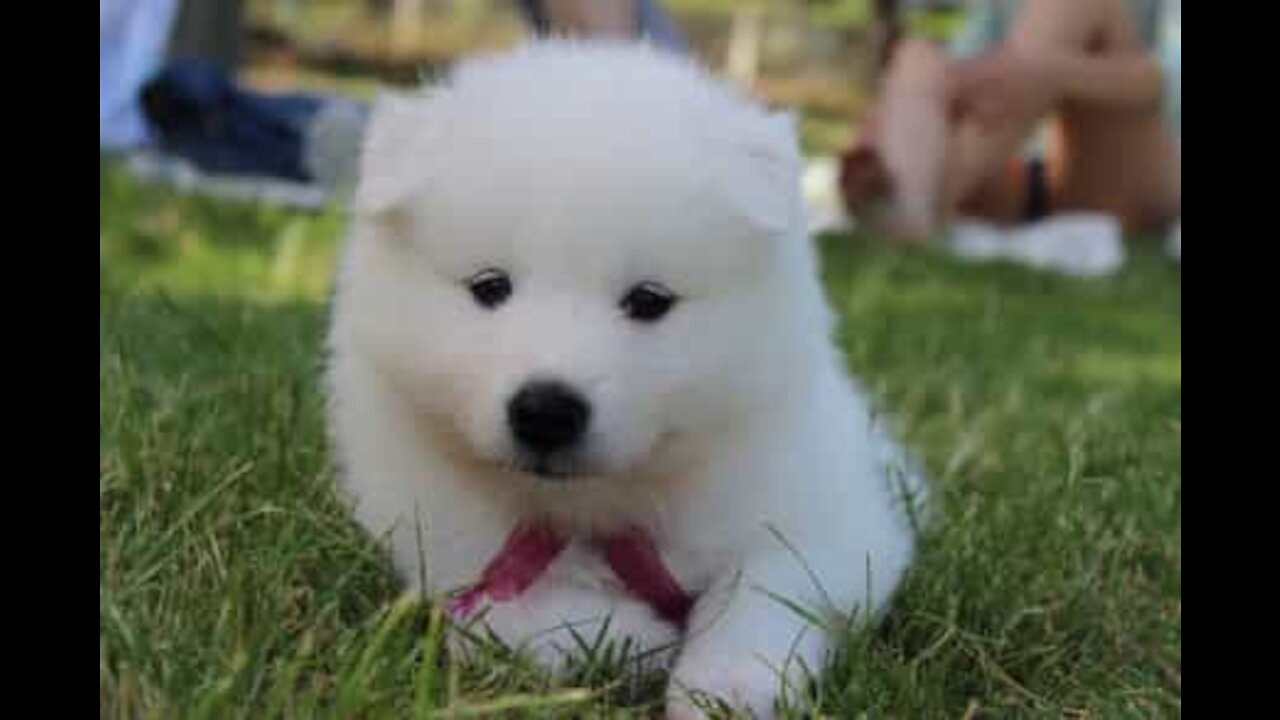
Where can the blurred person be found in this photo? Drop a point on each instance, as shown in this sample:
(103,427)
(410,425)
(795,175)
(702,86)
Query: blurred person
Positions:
(195,123)
(946,138)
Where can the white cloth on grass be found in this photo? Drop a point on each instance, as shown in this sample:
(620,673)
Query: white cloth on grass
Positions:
(185,177)
(1078,244)
(824,207)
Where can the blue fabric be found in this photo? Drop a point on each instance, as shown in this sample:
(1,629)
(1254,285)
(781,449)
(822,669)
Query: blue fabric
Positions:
(132,35)
(198,113)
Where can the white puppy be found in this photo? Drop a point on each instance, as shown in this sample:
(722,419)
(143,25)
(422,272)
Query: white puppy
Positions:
(581,368)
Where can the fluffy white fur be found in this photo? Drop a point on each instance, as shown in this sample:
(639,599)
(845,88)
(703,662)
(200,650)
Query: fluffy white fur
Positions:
(728,428)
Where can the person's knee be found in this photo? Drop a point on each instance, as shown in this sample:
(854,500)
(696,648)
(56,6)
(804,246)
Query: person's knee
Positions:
(917,63)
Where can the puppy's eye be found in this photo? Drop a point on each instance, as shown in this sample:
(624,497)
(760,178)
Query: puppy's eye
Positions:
(647,302)
(490,288)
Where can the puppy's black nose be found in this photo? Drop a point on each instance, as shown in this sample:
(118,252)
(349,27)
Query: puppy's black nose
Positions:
(547,415)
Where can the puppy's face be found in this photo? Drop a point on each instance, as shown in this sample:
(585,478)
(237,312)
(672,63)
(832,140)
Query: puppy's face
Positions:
(564,297)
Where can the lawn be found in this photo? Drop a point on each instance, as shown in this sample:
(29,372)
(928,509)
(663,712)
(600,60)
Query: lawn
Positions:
(1048,410)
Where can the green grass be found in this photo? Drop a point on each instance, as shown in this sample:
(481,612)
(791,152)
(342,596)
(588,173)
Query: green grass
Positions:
(232,584)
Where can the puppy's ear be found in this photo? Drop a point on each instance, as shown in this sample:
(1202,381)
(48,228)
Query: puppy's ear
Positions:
(396,154)
(768,166)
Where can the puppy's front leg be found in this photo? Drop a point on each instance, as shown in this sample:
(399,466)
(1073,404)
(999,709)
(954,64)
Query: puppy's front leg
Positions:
(744,644)
(552,622)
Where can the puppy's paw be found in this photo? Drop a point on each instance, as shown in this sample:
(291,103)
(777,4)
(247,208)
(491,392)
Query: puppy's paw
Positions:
(558,627)
(725,687)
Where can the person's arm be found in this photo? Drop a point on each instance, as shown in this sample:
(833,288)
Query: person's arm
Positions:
(1121,81)
(1008,83)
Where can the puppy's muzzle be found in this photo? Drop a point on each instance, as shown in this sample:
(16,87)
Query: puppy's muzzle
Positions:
(547,416)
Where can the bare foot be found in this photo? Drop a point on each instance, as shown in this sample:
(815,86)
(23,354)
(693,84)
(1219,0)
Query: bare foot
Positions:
(867,189)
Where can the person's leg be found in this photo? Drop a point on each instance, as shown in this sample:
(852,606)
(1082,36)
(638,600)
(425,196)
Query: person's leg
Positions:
(1108,160)
(1100,158)
(1119,160)
(912,136)
(923,162)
